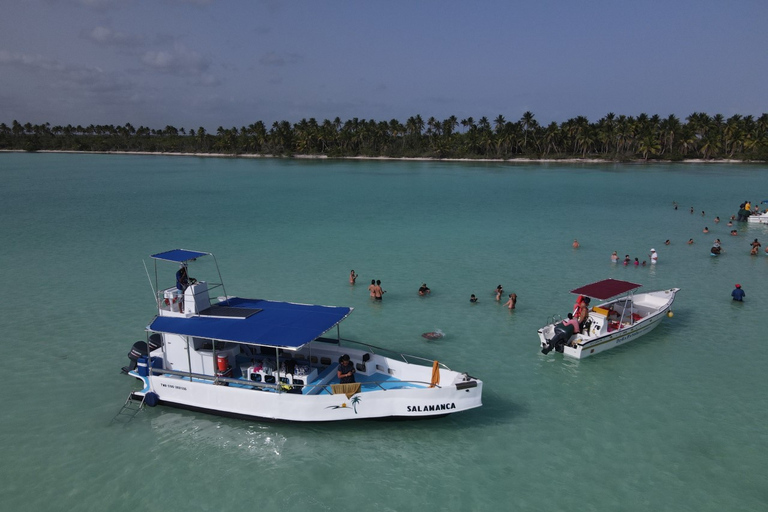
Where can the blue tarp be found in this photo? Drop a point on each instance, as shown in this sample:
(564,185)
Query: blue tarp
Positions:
(179,255)
(278,324)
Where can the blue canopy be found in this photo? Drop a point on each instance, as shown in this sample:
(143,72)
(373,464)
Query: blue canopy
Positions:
(179,255)
(265,323)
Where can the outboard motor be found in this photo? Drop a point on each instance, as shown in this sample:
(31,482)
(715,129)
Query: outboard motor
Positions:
(137,350)
(155,341)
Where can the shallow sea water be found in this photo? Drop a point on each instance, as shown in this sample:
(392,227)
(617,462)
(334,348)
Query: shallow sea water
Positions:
(673,421)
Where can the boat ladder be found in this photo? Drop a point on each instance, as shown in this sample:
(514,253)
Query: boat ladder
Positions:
(129,410)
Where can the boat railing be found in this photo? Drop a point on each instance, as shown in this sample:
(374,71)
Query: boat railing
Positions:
(554,319)
(281,386)
(406,358)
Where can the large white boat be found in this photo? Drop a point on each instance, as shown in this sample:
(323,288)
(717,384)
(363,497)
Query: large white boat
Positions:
(609,324)
(256,358)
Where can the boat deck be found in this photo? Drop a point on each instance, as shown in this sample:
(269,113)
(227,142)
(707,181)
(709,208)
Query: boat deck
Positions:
(321,384)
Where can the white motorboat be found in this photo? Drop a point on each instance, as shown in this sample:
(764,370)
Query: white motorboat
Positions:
(255,358)
(615,322)
(758,218)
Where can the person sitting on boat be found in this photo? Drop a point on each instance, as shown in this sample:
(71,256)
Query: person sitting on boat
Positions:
(563,332)
(346,372)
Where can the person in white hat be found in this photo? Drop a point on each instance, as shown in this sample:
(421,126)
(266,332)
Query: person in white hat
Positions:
(654,256)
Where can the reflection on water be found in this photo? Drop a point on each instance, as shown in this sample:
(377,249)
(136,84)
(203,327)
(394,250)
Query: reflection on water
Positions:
(198,433)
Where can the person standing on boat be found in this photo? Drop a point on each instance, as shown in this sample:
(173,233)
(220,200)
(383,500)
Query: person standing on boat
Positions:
(182,278)
(738,294)
(583,312)
(346,372)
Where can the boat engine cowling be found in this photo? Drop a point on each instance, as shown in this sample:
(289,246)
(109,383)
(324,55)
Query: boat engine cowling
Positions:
(137,350)
(155,341)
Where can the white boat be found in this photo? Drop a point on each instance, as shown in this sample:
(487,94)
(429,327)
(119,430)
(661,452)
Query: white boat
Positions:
(615,322)
(758,218)
(255,358)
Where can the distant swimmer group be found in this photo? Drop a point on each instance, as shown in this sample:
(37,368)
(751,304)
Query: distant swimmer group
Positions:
(376,292)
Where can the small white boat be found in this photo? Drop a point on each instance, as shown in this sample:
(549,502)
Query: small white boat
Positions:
(615,322)
(758,218)
(255,358)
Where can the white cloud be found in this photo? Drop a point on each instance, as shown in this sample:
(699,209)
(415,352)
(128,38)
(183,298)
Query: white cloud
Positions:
(104,35)
(57,74)
(179,61)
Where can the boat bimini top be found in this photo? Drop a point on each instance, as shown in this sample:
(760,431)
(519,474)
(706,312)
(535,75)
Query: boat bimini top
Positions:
(248,321)
(606,289)
(256,322)
(179,255)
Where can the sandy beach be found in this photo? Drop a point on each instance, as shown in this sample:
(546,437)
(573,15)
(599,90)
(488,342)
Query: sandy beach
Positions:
(385,158)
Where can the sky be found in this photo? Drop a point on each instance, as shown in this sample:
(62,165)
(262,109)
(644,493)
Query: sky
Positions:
(230,63)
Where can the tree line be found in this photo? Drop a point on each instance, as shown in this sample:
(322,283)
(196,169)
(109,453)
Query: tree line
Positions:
(615,138)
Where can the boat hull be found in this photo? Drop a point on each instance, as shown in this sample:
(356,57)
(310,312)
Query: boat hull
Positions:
(252,403)
(657,306)
(761,218)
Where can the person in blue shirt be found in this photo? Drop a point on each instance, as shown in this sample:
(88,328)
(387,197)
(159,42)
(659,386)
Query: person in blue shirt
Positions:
(738,294)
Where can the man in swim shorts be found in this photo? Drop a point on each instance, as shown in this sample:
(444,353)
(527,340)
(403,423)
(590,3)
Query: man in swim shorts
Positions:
(377,291)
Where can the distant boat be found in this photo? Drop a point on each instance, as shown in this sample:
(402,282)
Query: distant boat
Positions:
(611,323)
(759,218)
(255,358)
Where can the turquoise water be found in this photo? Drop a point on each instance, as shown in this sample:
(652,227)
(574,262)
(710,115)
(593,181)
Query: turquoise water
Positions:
(673,421)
